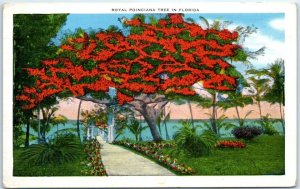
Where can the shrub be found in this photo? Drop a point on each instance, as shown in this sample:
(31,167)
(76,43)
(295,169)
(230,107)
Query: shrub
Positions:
(188,141)
(247,133)
(267,125)
(93,165)
(58,150)
(270,130)
(230,144)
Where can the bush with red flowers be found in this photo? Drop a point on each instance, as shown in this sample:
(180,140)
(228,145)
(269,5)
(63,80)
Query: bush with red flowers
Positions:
(230,144)
(93,165)
(153,150)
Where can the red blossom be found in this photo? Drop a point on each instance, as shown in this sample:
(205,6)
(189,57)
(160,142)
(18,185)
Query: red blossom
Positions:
(67,47)
(196,60)
(134,22)
(230,144)
(176,18)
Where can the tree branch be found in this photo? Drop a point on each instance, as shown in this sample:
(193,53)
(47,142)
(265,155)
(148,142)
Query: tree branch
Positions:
(137,105)
(149,98)
(85,98)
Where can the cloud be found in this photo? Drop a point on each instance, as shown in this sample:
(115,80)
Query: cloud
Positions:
(203,24)
(277,24)
(274,48)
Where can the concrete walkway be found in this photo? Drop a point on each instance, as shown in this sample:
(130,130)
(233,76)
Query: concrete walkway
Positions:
(119,161)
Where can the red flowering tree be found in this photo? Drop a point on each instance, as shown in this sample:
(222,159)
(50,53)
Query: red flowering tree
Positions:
(146,66)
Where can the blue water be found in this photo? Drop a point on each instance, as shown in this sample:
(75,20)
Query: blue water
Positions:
(172,125)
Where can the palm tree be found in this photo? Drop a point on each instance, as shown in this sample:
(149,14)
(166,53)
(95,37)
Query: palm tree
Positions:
(275,94)
(60,119)
(236,100)
(135,129)
(213,104)
(260,84)
(44,125)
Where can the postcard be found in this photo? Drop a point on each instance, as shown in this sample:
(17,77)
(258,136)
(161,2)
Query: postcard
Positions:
(149,95)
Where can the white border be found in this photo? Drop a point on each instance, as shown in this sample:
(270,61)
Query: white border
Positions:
(289,179)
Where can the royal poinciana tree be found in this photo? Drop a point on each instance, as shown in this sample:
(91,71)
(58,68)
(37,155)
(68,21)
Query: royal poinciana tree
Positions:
(146,66)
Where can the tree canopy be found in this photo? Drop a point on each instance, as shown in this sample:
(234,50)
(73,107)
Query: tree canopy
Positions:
(32,37)
(166,57)
(32,34)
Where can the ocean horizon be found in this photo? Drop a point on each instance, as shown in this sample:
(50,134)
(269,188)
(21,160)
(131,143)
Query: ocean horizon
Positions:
(172,127)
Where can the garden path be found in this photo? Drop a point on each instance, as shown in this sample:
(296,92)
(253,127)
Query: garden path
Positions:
(120,162)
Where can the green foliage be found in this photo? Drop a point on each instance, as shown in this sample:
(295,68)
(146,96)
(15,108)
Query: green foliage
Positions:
(48,121)
(165,119)
(135,68)
(66,148)
(243,120)
(204,20)
(96,116)
(142,17)
(17,136)
(240,56)
(188,140)
(154,47)
(72,168)
(221,123)
(263,156)
(270,85)
(276,73)
(32,34)
(128,54)
(267,125)
(135,128)
(121,120)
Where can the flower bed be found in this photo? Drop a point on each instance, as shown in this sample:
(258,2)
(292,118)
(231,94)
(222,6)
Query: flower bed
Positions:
(93,164)
(230,144)
(154,151)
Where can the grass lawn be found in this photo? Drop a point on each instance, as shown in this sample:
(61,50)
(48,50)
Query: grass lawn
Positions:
(262,156)
(66,169)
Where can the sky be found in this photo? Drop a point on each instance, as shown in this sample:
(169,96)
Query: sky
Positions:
(270,30)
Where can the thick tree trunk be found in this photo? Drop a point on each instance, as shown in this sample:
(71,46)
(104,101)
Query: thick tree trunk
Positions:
(78,114)
(214,112)
(150,107)
(150,117)
(27,133)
